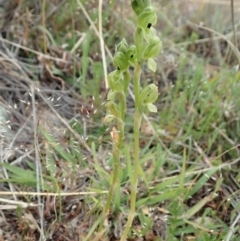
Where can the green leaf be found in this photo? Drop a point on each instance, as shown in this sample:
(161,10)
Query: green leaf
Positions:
(164,184)
(152,65)
(205,177)
(20,175)
(153,199)
(190,212)
(142,174)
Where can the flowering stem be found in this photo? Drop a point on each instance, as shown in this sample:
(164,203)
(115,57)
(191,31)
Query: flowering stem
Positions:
(147,45)
(137,123)
(118,137)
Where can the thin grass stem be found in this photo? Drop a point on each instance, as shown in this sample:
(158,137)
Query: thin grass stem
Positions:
(44,26)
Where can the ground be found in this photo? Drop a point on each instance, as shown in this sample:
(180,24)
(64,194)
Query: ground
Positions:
(56,151)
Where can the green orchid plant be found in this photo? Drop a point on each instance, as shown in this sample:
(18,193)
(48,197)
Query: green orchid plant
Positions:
(147,45)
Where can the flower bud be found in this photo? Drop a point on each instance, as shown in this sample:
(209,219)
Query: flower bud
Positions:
(149,94)
(153,48)
(147,18)
(120,61)
(136,8)
(122,46)
(139,5)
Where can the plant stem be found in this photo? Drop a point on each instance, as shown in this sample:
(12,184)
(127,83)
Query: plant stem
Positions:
(44,26)
(137,123)
(136,83)
(116,157)
(117,147)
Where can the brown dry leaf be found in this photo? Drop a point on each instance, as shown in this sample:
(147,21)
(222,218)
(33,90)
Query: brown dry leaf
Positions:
(147,129)
(29,222)
(172,130)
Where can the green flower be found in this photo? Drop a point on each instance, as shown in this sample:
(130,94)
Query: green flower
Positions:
(149,33)
(125,56)
(153,48)
(120,61)
(118,81)
(147,18)
(149,94)
(131,55)
(114,79)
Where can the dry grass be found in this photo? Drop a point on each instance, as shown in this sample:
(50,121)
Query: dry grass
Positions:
(54,148)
